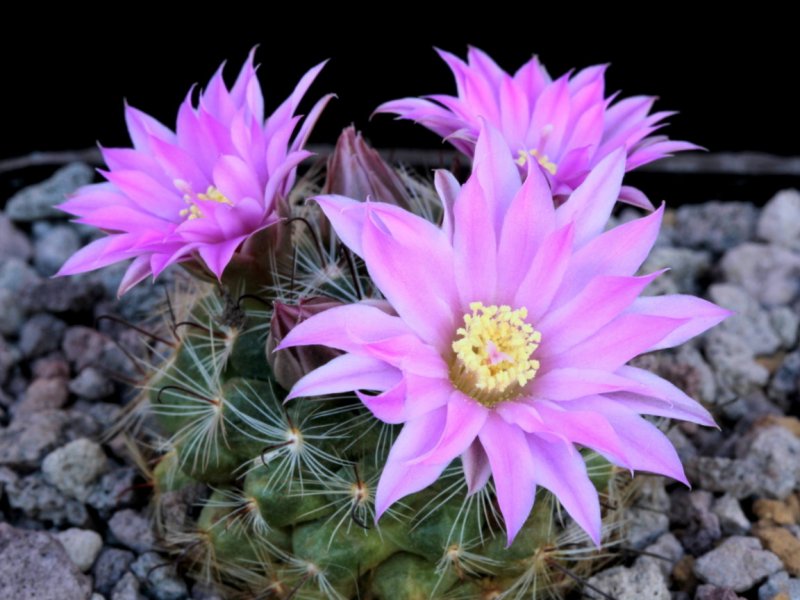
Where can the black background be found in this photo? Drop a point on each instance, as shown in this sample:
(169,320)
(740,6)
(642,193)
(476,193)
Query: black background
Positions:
(732,76)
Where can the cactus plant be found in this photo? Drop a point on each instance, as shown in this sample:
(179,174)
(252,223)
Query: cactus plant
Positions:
(278,463)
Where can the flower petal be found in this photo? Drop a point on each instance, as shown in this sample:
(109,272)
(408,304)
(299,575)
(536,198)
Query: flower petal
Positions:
(465,419)
(561,469)
(513,471)
(700,315)
(399,478)
(346,373)
(602,300)
(411,262)
(477,469)
(589,206)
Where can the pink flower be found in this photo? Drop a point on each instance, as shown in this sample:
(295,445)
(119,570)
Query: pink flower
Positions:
(198,193)
(504,336)
(566,126)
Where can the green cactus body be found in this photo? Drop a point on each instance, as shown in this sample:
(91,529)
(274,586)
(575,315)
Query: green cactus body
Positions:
(289,503)
(290,508)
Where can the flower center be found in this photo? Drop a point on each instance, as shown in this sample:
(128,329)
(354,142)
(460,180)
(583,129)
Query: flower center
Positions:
(193,210)
(547,164)
(543,160)
(493,351)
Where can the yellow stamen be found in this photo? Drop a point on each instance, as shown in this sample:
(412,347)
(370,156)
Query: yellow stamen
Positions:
(547,164)
(493,351)
(193,211)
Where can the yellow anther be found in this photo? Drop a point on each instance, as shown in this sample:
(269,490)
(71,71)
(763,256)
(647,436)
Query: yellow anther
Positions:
(214,195)
(543,160)
(493,350)
(193,211)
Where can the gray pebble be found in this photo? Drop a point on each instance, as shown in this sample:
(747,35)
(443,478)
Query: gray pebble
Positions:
(664,553)
(127,588)
(84,346)
(41,334)
(738,563)
(731,517)
(712,592)
(34,566)
(37,499)
(38,201)
(642,580)
(9,356)
(774,453)
(716,226)
(43,394)
(770,273)
(702,526)
(112,491)
(786,380)
(73,468)
(91,384)
(132,529)
(645,526)
(779,222)
(52,365)
(82,546)
(13,242)
(686,269)
(734,363)
(30,437)
(109,567)
(16,275)
(720,474)
(77,293)
(7,477)
(12,313)
(160,578)
(786,323)
(780,583)
(54,248)
(750,321)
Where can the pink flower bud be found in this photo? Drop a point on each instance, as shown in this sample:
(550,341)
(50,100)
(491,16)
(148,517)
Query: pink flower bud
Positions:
(291,364)
(357,170)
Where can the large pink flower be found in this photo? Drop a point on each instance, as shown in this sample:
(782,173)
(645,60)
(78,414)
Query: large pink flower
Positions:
(505,334)
(197,193)
(566,126)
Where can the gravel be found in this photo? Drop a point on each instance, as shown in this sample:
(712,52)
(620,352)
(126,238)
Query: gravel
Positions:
(75,514)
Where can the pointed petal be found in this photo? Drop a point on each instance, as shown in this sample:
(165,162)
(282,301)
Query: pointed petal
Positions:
(561,469)
(530,219)
(619,251)
(465,419)
(570,383)
(700,315)
(513,471)
(411,262)
(672,402)
(590,205)
(543,279)
(646,447)
(448,188)
(584,424)
(476,467)
(496,172)
(388,406)
(474,245)
(399,479)
(138,270)
(346,373)
(615,344)
(596,305)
